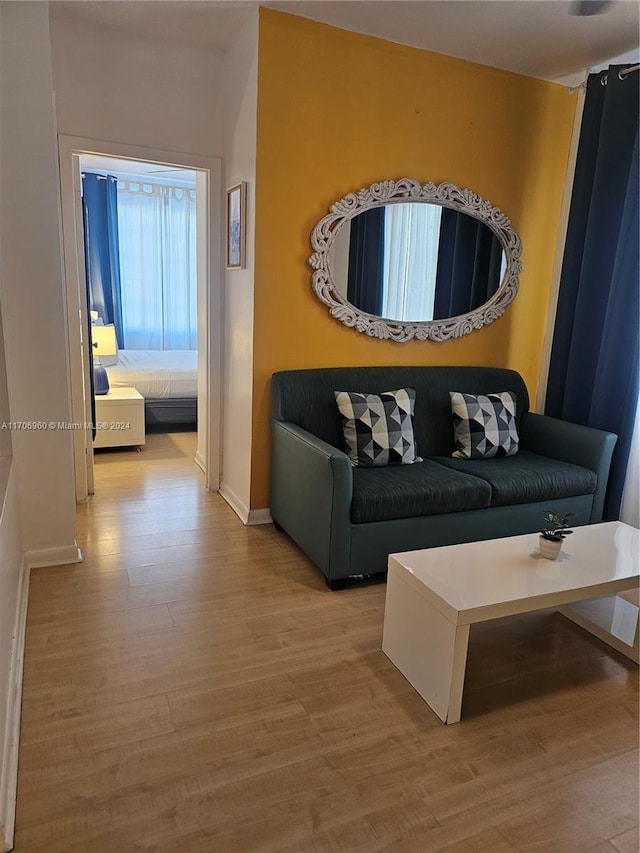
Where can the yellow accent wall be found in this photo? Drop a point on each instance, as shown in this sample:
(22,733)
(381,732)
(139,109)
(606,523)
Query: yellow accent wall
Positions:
(338,111)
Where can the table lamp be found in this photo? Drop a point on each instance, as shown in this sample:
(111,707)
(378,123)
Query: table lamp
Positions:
(104,344)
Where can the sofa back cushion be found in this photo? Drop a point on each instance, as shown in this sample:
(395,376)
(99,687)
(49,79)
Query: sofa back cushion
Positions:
(378,428)
(307,398)
(484,425)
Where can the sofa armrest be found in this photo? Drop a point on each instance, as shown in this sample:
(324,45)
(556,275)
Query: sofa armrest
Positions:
(580,445)
(311,491)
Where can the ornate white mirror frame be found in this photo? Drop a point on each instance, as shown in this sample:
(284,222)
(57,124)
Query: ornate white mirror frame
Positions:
(408,189)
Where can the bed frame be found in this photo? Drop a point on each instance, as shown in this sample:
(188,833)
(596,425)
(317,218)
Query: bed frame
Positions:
(163,412)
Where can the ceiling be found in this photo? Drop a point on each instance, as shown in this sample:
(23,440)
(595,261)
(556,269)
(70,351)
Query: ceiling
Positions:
(538,38)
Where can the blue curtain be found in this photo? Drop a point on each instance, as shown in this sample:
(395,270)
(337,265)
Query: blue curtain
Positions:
(102,248)
(366,261)
(593,375)
(469,265)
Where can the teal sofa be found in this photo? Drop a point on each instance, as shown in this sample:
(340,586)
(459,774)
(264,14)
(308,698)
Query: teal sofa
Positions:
(348,520)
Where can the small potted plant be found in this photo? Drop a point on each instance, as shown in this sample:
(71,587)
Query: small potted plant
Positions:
(554,531)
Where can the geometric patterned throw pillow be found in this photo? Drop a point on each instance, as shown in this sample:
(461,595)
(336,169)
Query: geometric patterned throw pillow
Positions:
(378,428)
(484,425)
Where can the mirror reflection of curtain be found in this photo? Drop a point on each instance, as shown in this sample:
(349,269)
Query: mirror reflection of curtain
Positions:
(410,245)
(594,371)
(366,247)
(102,248)
(158,265)
(470,265)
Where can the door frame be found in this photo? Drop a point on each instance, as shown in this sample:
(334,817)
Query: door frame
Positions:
(210,347)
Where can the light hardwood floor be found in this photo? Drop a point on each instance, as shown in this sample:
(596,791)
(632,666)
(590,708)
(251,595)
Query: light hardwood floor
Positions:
(194,687)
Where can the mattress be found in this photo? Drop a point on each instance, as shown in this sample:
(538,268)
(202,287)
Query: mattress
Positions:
(157,374)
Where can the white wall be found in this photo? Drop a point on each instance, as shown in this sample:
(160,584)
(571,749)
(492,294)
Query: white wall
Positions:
(5,414)
(127,88)
(33,304)
(10,563)
(11,576)
(13,599)
(37,508)
(152,95)
(240,123)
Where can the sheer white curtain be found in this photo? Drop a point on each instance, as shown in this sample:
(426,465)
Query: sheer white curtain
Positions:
(411,234)
(157,230)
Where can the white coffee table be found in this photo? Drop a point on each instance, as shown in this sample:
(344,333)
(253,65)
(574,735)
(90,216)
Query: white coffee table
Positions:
(434,595)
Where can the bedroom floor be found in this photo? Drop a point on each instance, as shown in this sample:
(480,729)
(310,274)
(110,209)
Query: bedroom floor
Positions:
(194,687)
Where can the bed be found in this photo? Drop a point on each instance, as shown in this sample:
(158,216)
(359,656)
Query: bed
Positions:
(167,379)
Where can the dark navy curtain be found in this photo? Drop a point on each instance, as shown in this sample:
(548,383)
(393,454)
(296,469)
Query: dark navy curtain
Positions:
(102,249)
(593,375)
(366,261)
(469,264)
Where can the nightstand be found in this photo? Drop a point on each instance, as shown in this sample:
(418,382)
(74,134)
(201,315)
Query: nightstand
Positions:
(119,418)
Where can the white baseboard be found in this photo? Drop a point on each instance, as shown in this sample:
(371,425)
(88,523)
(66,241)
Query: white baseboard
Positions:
(246,516)
(9,753)
(200,462)
(240,509)
(54,556)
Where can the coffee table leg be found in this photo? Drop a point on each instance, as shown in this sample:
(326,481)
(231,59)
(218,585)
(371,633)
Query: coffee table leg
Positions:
(428,649)
(458,669)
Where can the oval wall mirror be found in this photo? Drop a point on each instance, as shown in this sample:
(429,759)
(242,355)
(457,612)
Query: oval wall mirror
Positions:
(403,260)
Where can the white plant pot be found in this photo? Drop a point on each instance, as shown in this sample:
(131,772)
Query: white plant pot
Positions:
(550,549)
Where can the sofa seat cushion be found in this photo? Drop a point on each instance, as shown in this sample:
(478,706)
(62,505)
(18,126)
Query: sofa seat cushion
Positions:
(381,494)
(526,477)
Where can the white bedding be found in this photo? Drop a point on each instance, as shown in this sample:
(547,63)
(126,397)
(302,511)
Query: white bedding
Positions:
(157,374)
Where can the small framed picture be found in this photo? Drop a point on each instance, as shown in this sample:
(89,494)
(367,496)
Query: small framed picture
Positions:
(236,215)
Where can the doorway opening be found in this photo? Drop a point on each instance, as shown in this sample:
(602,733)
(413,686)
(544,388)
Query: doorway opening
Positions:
(163,356)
